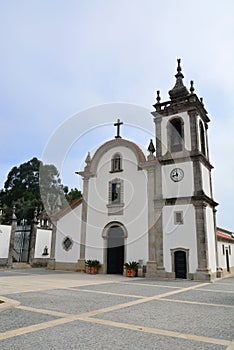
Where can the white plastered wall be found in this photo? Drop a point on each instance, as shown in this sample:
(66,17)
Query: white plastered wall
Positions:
(5,233)
(43,239)
(222,257)
(183,188)
(179,236)
(68,226)
(187,133)
(206,180)
(135,211)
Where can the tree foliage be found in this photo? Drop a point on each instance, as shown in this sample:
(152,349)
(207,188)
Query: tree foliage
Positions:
(72,194)
(30,185)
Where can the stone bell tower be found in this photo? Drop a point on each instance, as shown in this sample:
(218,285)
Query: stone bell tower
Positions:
(184,209)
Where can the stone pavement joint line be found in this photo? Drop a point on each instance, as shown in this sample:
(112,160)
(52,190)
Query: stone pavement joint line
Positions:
(197,303)
(86,317)
(215,290)
(231,346)
(157,331)
(109,293)
(151,285)
(71,318)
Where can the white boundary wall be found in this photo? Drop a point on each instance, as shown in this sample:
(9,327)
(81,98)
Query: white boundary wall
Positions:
(5,233)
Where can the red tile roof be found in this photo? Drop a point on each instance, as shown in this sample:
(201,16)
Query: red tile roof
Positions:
(226,236)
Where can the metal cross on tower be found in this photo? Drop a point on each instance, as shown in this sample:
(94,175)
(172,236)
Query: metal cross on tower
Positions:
(118,123)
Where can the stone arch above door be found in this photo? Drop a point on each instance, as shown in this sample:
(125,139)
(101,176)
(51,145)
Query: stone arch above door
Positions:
(111,224)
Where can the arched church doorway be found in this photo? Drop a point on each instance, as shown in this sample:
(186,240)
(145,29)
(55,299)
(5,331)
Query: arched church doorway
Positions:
(180,264)
(115,250)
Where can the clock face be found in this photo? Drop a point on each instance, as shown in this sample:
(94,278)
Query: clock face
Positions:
(177,174)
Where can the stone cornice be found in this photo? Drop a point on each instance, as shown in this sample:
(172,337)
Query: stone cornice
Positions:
(197,200)
(185,104)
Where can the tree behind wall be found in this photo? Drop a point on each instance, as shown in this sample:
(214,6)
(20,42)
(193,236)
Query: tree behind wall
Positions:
(30,185)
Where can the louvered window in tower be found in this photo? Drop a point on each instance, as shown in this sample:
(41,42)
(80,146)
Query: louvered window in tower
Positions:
(176,135)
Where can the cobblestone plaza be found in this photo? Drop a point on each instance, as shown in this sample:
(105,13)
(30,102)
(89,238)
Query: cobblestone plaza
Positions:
(63,310)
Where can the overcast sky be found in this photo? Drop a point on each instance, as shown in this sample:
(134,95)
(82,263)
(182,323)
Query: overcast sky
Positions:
(59,58)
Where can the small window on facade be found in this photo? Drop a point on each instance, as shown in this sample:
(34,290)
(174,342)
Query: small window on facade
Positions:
(67,243)
(115,192)
(178,218)
(176,135)
(202,138)
(115,204)
(116,163)
(230,251)
(223,249)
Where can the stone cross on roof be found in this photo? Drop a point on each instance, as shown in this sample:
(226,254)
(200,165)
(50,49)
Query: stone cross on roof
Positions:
(118,123)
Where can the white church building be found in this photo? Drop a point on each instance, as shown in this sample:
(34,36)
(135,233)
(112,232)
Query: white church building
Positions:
(157,209)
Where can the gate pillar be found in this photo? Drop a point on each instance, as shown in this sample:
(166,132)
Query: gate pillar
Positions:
(12,238)
(33,238)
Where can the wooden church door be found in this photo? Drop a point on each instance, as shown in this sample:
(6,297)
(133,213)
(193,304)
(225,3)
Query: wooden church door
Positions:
(180,264)
(115,250)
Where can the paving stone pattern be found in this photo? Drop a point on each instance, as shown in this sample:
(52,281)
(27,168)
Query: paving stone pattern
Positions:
(59,310)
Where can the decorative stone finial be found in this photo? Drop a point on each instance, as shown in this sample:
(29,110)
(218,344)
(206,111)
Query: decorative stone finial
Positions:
(13,213)
(201,100)
(88,159)
(158,98)
(35,216)
(179,90)
(191,87)
(151,147)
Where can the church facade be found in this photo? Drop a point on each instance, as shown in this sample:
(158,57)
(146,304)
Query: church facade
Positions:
(157,209)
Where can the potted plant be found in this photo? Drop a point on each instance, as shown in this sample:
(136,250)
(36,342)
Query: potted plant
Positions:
(131,268)
(93,266)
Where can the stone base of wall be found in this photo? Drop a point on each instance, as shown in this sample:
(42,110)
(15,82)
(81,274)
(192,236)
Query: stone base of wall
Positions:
(80,267)
(39,262)
(3,261)
(222,272)
(59,265)
(152,271)
(51,264)
(207,276)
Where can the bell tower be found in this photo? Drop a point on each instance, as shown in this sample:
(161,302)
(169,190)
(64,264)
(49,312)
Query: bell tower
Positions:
(184,208)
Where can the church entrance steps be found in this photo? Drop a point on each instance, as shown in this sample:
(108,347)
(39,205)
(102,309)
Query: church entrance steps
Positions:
(21,265)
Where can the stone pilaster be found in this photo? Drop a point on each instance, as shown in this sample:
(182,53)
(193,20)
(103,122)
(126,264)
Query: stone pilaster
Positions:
(198,188)
(203,271)
(33,238)
(216,242)
(81,261)
(159,234)
(51,260)
(155,267)
(151,230)
(12,239)
(158,126)
(193,130)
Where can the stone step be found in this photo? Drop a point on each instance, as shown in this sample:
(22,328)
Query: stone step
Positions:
(21,265)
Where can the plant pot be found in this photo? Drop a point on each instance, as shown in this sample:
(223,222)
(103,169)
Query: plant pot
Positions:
(131,273)
(92,270)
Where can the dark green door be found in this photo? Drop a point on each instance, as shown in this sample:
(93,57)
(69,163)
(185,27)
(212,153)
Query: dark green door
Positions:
(180,264)
(115,250)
